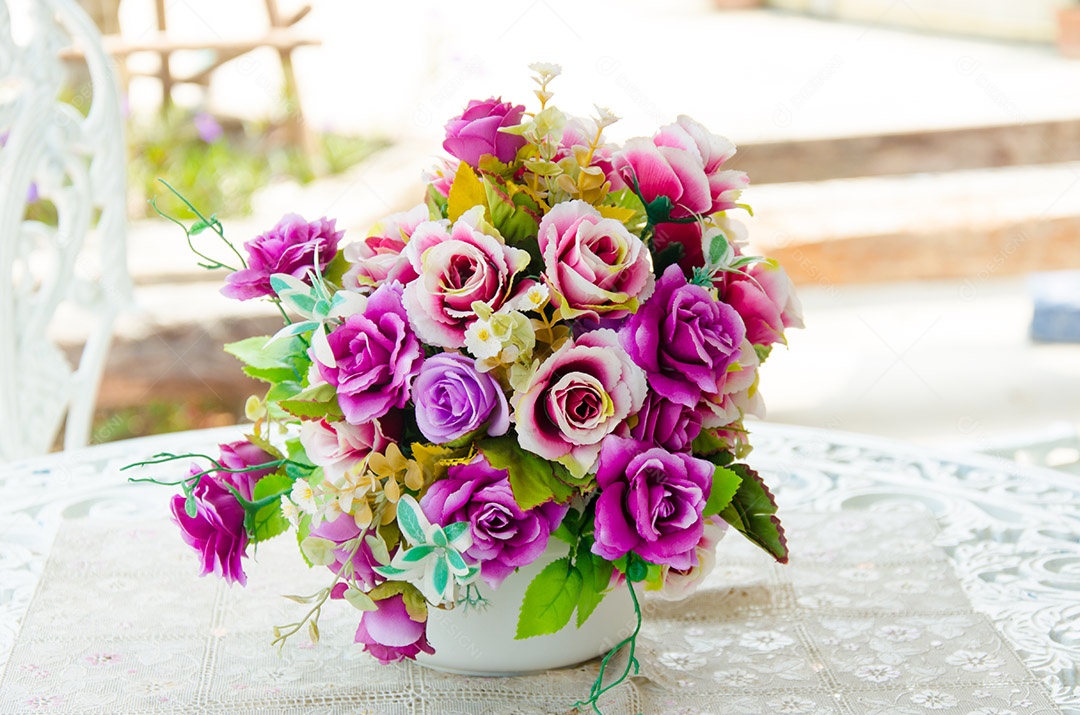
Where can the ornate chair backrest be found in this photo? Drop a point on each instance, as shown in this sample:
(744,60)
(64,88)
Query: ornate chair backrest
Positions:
(62,222)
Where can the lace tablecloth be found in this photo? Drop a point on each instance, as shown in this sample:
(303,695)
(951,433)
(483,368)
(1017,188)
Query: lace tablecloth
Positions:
(884,608)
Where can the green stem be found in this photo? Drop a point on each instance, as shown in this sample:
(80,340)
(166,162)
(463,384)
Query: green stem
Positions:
(598,688)
(212,223)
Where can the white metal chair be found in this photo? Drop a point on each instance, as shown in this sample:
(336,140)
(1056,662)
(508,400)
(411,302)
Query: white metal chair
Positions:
(71,262)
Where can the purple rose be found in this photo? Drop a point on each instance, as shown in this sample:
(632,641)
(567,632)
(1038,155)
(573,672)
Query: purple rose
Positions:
(389,634)
(476,132)
(344,532)
(453,398)
(684,339)
(666,424)
(217,529)
(242,455)
(290,247)
(504,536)
(650,503)
(376,356)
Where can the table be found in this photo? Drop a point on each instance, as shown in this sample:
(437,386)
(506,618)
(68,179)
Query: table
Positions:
(1011,533)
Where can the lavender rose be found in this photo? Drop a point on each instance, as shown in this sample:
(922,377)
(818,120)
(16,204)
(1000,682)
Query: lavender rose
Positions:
(665,423)
(244,455)
(375,357)
(453,398)
(684,339)
(578,397)
(594,266)
(290,247)
(504,536)
(217,529)
(458,267)
(650,503)
(475,132)
(389,634)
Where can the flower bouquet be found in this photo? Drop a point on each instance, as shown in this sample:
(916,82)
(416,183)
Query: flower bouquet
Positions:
(545,366)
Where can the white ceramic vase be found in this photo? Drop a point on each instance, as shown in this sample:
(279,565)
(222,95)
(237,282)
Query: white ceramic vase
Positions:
(470,641)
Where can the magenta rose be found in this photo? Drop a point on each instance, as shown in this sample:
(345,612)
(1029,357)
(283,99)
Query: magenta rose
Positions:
(594,266)
(453,398)
(766,300)
(665,424)
(378,258)
(684,339)
(293,246)
(504,536)
(650,503)
(217,529)
(344,532)
(375,357)
(389,634)
(339,446)
(476,132)
(577,397)
(680,167)
(244,455)
(458,267)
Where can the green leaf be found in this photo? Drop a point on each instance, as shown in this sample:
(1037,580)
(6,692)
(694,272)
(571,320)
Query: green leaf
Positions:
(270,374)
(256,353)
(359,600)
(595,578)
(440,576)
(707,443)
(562,533)
(319,552)
(718,249)
(311,410)
(409,521)
(532,479)
(268,521)
(436,203)
(725,483)
(763,352)
(549,600)
(753,512)
(456,529)
(516,217)
(336,269)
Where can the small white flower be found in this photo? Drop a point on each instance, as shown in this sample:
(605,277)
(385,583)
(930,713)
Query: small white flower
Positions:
(605,117)
(877,673)
(933,699)
(974,661)
(535,298)
(793,705)
(290,512)
(303,496)
(481,341)
(682,661)
(898,634)
(546,69)
(765,640)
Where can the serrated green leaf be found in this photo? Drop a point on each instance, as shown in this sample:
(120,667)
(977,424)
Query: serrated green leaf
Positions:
(256,353)
(708,443)
(270,374)
(268,521)
(532,479)
(309,410)
(753,512)
(724,485)
(516,219)
(549,600)
(595,579)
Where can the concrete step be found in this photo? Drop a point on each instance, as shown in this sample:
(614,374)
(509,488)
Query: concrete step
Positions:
(962,224)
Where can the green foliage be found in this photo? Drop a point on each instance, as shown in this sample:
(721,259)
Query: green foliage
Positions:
(268,521)
(724,486)
(533,479)
(549,600)
(595,577)
(753,512)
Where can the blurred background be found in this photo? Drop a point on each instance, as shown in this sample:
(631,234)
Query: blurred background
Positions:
(914,164)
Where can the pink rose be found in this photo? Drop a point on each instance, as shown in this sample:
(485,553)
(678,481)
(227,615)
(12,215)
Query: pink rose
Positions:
(339,446)
(458,267)
(595,266)
(578,397)
(766,300)
(378,257)
(475,133)
(681,583)
(678,172)
(390,634)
